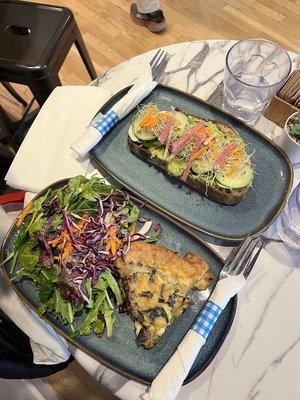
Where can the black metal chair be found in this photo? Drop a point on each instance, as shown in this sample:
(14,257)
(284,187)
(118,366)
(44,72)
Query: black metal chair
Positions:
(34,42)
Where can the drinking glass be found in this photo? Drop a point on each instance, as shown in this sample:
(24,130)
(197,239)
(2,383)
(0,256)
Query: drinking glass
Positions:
(255,70)
(288,222)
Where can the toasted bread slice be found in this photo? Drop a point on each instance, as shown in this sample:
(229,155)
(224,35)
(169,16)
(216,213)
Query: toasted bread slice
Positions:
(213,191)
(218,194)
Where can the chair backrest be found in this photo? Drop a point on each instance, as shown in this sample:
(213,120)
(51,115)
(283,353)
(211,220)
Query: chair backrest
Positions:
(8,147)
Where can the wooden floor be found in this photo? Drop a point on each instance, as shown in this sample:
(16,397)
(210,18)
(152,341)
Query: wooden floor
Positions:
(74,383)
(111,38)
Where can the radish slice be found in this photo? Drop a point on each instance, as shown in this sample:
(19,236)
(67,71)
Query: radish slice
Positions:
(179,144)
(132,135)
(142,232)
(197,146)
(167,128)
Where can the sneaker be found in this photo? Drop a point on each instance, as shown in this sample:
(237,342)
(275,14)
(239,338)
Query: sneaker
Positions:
(154,21)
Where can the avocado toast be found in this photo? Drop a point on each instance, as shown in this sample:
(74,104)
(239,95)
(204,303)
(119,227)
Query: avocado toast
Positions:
(207,155)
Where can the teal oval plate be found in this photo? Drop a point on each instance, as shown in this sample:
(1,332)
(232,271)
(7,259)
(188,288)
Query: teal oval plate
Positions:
(122,352)
(262,204)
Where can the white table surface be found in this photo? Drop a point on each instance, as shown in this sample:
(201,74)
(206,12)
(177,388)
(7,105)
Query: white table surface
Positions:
(259,358)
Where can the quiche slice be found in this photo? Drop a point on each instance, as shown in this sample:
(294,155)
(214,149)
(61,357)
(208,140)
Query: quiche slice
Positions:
(156,283)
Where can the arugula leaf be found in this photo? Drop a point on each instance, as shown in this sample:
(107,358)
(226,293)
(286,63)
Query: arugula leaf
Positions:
(57,222)
(102,284)
(60,197)
(87,325)
(74,184)
(89,290)
(46,291)
(109,317)
(112,283)
(38,225)
(28,257)
(37,204)
(21,235)
(133,216)
(61,308)
(47,279)
(98,326)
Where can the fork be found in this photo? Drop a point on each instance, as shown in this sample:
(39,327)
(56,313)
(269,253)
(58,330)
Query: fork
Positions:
(232,278)
(158,64)
(101,125)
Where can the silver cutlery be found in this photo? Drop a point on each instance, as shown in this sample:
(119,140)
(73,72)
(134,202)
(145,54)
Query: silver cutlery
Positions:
(158,64)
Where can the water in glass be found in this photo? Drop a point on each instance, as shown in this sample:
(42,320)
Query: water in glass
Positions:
(288,223)
(255,69)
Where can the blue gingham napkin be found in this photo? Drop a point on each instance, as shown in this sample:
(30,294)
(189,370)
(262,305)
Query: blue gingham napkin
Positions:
(102,124)
(170,379)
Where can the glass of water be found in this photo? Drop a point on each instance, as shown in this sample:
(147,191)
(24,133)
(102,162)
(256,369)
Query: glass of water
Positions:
(288,222)
(255,70)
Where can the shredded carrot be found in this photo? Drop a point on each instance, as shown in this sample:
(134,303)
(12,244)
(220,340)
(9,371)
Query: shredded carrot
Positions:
(152,121)
(112,231)
(212,143)
(238,148)
(202,150)
(113,245)
(80,225)
(149,114)
(23,214)
(216,153)
(202,130)
(237,161)
(55,242)
(198,153)
(67,250)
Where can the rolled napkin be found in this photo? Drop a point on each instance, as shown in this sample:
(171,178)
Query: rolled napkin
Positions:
(102,124)
(168,382)
(63,117)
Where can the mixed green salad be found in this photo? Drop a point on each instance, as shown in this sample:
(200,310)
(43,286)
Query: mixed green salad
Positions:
(191,147)
(67,243)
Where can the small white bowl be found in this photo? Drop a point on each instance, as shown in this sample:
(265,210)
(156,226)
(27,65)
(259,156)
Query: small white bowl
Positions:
(288,144)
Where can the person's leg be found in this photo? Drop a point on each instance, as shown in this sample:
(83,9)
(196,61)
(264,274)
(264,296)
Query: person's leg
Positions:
(147,6)
(148,13)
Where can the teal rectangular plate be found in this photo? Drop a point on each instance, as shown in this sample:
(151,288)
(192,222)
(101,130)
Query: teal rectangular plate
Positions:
(122,353)
(262,204)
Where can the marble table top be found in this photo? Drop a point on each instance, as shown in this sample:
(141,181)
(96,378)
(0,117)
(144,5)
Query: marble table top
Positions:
(259,358)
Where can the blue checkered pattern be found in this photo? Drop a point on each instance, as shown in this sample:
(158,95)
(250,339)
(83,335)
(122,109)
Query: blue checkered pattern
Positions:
(207,318)
(106,122)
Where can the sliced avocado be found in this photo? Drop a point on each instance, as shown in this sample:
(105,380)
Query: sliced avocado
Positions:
(181,120)
(242,177)
(157,152)
(202,165)
(176,167)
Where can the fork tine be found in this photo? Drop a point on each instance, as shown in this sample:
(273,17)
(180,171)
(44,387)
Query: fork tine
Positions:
(236,254)
(158,61)
(157,54)
(248,268)
(243,261)
(158,69)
